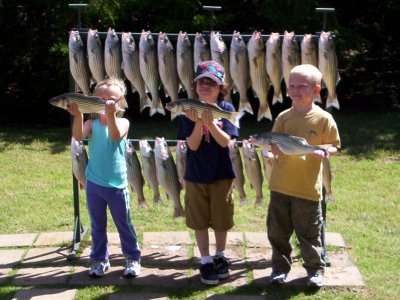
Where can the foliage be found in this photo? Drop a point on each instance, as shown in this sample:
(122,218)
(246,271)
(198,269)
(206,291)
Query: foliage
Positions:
(34,60)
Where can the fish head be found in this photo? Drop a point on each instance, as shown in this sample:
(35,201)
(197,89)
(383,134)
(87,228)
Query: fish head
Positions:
(76,147)
(75,42)
(145,149)
(128,44)
(161,149)
(175,106)
(60,101)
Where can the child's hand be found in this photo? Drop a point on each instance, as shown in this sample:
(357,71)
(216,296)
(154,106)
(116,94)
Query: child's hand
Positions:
(321,154)
(110,108)
(73,109)
(191,114)
(207,117)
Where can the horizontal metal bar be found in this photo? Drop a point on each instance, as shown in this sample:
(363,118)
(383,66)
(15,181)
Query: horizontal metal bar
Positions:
(212,8)
(325,9)
(77,5)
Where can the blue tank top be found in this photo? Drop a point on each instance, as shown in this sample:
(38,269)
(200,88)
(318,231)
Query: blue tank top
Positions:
(106,166)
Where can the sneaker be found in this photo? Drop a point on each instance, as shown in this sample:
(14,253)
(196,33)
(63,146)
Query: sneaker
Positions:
(221,264)
(132,267)
(277,277)
(315,280)
(208,274)
(99,267)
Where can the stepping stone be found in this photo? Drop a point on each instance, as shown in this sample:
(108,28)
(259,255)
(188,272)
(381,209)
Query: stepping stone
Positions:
(237,278)
(334,239)
(35,276)
(166,238)
(9,258)
(233,238)
(259,258)
(233,253)
(235,297)
(54,238)
(138,296)
(114,276)
(46,256)
(161,277)
(115,255)
(17,240)
(45,294)
(4,274)
(164,255)
(257,240)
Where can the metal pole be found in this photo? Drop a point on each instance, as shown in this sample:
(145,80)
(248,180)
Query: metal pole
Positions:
(79,230)
(324,11)
(212,9)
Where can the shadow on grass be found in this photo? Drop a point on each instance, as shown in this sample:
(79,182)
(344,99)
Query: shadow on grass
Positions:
(362,134)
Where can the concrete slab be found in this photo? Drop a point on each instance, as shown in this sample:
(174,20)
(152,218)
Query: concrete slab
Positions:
(234,297)
(54,238)
(237,278)
(339,258)
(45,294)
(138,296)
(257,240)
(36,276)
(334,239)
(164,277)
(115,255)
(46,256)
(114,276)
(233,253)
(4,274)
(167,238)
(8,258)
(259,258)
(233,238)
(165,255)
(17,240)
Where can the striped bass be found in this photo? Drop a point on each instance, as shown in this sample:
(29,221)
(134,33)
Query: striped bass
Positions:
(167,67)
(180,106)
(220,54)
(327,180)
(328,66)
(258,74)
(95,55)
(274,64)
(79,160)
(239,70)
(130,66)
(238,182)
(253,169)
(86,104)
(290,56)
(288,144)
(149,169)
(78,64)
(268,159)
(181,151)
(134,174)
(167,175)
(148,64)
(309,55)
(201,50)
(184,62)
(113,55)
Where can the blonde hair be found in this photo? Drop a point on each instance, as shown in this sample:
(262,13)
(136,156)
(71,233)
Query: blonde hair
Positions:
(311,72)
(114,81)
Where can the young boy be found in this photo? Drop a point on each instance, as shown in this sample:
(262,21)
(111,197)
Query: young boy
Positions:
(209,171)
(296,183)
(106,176)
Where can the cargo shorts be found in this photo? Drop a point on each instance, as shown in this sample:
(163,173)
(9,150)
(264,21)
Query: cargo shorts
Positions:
(209,205)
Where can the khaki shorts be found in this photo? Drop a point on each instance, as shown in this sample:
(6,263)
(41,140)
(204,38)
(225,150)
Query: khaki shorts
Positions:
(209,205)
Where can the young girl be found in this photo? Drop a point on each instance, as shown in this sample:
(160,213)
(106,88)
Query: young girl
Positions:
(209,171)
(106,176)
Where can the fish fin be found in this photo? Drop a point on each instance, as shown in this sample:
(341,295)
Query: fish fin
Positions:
(277,98)
(264,112)
(244,105)
(235,117)
(303,157)
(332,101)
(144,101)
(158,108)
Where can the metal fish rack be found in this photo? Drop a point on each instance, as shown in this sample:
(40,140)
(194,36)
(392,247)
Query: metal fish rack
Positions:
(79,230)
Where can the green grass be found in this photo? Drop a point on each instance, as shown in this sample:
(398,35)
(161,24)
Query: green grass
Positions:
(36,196)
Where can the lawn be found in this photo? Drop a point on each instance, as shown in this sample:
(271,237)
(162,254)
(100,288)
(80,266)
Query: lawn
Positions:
(36,181)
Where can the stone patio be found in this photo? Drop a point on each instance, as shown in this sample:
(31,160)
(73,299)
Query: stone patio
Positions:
(169,259)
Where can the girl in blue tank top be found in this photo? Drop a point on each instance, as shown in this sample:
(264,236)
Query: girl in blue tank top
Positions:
(106,176)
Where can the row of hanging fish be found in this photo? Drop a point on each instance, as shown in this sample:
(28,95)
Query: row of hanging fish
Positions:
(152,63)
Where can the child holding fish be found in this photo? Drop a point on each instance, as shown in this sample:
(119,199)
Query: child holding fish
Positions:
(209,171)
(106,176)
(296,182)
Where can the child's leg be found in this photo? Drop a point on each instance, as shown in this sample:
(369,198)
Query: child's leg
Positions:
(307,220)
(119,204)
(280,229)
(97,207)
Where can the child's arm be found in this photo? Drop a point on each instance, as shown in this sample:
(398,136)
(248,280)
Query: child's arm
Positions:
(116,129)
(194,139)
(220,136)
(80,130)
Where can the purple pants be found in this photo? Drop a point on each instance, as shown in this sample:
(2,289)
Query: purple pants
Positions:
(98,197)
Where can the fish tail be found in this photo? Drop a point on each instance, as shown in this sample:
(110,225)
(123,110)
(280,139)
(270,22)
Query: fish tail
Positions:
(235,117)
(156,107)
(332,101)
(144,101)
(277,98)
(264,112)
(245,106)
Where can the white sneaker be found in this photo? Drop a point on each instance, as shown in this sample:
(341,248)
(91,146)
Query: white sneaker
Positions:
(132,267)
(315,280)
(99,267)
